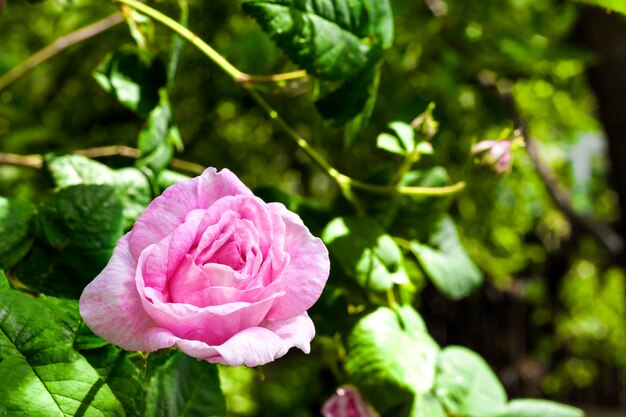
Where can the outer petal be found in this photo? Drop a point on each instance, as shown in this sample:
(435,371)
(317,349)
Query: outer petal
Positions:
(305,276)
(111,306)
(168,211)
(251,347)
(297,331)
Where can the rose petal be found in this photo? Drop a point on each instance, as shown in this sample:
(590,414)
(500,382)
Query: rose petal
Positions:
(297,331)
(305,275)
(210,285)
(251,347)
(266,223)
(210,324)
(166,212)
(111,306)
(164,257)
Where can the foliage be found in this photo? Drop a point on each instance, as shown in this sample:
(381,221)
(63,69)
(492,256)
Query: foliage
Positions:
(397,246)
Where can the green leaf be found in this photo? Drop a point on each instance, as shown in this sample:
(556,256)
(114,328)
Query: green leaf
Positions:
(15,230)
(131,184)
(347,101)
(330,39)
(614,5)
(357,125)
(134,77)
(135,191)
(85,217)
(4,281)
(466,386)
(446,263)
(381,22)
(402,143)
(121,374)
(390,357)
(86,340)
(67,170)
(78,227)
(405,133)
(167,178)
(42,375)
(390,143)
(186,387)
(366,252)
(426,405)
(539,408)
(158,137)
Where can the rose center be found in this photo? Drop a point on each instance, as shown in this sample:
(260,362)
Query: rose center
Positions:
(229,254)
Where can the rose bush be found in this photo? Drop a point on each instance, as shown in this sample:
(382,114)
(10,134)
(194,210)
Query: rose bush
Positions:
(214,271)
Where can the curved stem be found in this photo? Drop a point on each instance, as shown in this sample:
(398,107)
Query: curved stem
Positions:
(274,78)
(422,191)
(300,141)
(58,46)
(344,182)
(237,75)
(219,60)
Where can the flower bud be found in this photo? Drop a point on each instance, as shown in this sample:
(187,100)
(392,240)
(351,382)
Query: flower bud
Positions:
(348,402)
(498,153)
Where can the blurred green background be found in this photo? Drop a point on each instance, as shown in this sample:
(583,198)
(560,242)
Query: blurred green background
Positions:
(552,318)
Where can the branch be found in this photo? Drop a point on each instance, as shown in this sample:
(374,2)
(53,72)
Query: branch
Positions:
(36,161)
(29,161)
(58,46)
(601,232)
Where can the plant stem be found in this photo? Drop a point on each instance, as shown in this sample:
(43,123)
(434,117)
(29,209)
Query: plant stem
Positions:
(29,161)
(300,141)
(344,182)
(211,53)
(58,46)
(409,159)
(36,161)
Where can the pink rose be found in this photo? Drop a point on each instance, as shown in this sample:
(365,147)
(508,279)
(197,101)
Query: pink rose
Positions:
(348,402)
(214,271)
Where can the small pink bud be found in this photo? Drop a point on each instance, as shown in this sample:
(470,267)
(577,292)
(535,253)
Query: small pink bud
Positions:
(348,402)
(498,153)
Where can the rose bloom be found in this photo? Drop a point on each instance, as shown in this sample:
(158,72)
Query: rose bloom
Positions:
(214,271)
(348,402)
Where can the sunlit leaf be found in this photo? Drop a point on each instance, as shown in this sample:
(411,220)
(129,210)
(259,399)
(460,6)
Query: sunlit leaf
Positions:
(42,375)
(158,137)
(366,252)
(122,375)
(539,408)
(131,184)
(614,5)
(391,357)
(446,263)
(466,385)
